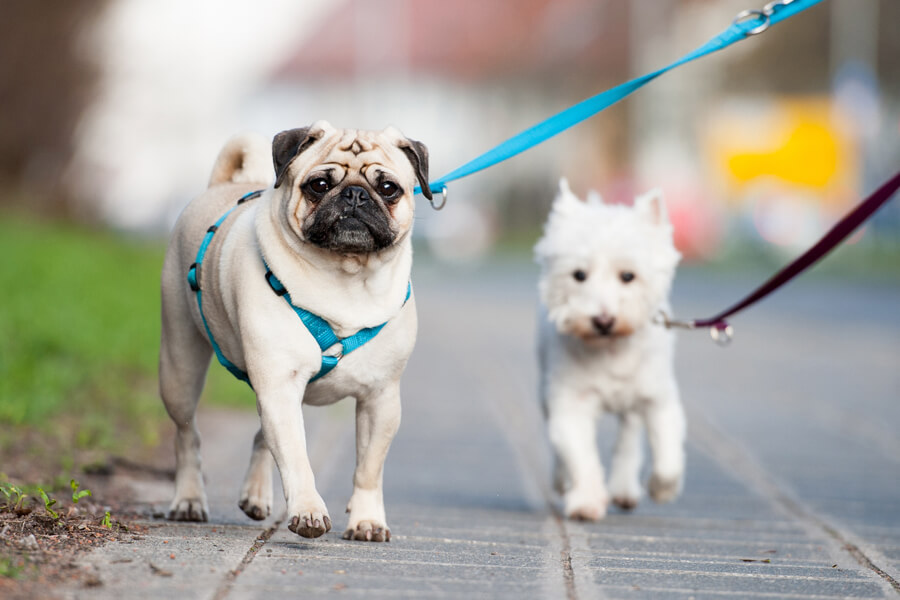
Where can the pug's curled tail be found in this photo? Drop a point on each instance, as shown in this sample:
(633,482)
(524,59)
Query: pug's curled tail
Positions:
(245,158)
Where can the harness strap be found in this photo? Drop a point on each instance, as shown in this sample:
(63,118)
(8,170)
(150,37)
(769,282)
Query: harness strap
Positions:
(319,328)
(322,331)
(193,277)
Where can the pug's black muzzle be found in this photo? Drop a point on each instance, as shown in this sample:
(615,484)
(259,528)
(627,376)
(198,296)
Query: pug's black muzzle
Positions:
(351,221)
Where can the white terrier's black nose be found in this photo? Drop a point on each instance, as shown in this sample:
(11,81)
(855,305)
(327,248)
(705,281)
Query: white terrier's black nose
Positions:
(603,324)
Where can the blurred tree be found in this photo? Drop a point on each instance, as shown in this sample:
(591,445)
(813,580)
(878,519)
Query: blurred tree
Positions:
(46,82)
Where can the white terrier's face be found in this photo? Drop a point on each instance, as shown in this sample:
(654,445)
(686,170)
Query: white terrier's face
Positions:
(606,269)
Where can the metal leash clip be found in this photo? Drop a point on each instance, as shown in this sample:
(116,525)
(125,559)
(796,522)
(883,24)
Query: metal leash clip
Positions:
(746,16)
(443,203)
(663,319)
(721,333)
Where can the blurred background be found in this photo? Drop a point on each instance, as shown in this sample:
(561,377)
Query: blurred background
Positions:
(112,111)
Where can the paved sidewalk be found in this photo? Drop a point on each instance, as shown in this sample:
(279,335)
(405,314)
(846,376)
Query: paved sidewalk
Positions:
(793,485)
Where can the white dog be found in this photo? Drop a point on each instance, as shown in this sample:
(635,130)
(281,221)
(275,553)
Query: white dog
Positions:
(606,271)
(302,289)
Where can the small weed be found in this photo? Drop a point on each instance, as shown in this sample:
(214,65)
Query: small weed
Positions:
(76,495)
(48,502)
(106,522)
(14,496)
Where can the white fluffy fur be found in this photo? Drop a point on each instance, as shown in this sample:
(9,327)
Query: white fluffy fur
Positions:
(600,351)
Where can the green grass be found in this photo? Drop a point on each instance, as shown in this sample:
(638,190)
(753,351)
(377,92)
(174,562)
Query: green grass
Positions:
(79,334)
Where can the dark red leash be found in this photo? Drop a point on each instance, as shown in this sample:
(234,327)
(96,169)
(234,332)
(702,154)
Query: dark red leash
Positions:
(719,327)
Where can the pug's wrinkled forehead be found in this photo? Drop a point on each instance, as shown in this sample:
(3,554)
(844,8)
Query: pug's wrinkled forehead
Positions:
(343,152)
(355,155)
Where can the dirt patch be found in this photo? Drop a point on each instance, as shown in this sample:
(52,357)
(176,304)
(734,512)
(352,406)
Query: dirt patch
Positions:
(38,551)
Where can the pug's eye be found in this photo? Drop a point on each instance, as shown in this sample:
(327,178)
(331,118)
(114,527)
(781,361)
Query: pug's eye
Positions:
(626,276)
(579,275)
(318,185)
(388,189)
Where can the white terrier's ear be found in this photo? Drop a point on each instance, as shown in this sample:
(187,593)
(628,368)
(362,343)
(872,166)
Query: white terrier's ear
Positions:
(565,196)
(652,206)
(564,193)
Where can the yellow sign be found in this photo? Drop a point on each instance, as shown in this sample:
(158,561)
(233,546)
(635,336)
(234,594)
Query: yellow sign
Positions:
(797,142)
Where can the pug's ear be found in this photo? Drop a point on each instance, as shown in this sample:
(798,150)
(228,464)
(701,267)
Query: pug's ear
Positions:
(417,154)
(288,145)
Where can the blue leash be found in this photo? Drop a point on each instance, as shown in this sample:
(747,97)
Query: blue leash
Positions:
(317,326)
(747,23)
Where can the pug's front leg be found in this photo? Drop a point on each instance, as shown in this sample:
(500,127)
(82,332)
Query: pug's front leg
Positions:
(281,417)
(377,420)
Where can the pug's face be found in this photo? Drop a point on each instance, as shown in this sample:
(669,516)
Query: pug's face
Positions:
(348,191)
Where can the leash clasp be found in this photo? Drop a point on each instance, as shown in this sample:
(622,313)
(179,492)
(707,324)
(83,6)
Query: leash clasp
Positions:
(721,333)
(662,318)
(763,16)
(443,203)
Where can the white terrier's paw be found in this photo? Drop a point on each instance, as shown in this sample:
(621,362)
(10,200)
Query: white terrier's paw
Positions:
(625,491)
(585,506)
(592,512)
(189,509)
(312,521)
(664,489)
(368,531)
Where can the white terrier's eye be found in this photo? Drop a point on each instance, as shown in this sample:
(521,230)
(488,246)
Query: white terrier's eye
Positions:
(579,275)
(626,276)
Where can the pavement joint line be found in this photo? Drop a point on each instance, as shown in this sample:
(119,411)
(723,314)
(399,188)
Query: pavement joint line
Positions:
(356,559)
(681,572)
(658,538)
(861,557)
(255,547)
(321,460)
(505,416)
(668,591)
(396,550)
(464,542)
(700,561)
(729,453)
(566,559)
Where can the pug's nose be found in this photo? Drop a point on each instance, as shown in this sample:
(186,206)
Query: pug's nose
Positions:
(355,196)
(603,324)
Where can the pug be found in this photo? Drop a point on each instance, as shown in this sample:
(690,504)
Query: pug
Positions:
(330,238)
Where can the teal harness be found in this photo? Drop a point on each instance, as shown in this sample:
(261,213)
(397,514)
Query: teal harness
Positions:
(317,326)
